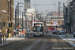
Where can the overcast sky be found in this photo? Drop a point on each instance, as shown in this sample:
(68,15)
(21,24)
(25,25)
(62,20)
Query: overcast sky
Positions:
(43,8)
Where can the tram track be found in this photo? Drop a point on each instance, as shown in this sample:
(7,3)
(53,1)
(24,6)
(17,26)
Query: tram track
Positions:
(43,44)
(64,44)
(47,42)
(59,44)
(19,45)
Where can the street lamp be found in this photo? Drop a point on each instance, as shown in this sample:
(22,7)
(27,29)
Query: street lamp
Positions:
(24,14)
(20,14)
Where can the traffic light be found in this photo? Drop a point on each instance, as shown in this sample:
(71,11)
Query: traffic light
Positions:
(10,24)
(67,24)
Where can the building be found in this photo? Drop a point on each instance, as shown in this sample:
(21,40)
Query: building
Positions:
(30,17)
(26,5)
(53,18)
(70,14)
(5,12)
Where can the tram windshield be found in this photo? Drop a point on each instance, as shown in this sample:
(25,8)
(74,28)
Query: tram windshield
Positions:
(38,28)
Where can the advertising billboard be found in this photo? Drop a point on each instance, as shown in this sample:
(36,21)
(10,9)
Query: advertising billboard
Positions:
(51,23)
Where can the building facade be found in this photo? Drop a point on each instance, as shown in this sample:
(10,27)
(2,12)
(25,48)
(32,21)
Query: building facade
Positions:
(30,17)
(5,12)
(26,5)
(70,14)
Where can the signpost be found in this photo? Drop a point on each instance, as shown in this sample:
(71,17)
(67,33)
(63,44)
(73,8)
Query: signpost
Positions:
(4,29)
(18,26)
(10,28)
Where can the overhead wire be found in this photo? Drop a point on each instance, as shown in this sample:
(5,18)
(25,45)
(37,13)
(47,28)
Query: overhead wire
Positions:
(54,5)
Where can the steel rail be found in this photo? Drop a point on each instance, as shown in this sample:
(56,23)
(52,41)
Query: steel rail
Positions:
(61,44)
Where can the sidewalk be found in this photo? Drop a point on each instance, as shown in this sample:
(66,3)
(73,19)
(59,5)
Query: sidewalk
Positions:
(70,39)
(12,40)
(16,38)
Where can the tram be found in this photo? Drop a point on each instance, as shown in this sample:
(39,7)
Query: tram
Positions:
(38,29)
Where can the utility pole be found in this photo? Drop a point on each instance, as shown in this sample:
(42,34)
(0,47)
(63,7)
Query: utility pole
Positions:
(59,13)
(10,10)
(22,21)
(10,23)
(58,9)
(15,18)
(18,16)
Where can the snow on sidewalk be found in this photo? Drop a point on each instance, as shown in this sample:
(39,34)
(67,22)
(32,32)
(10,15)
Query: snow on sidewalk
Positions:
(12,39)
(70,39)
(15,38)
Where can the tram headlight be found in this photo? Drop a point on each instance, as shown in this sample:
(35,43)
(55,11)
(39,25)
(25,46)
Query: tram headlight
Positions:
(34,33)
(41,33)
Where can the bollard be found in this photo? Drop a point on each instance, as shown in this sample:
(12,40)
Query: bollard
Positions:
(9,35)
(0,39)
(67,35)
(4,36)
(3,39)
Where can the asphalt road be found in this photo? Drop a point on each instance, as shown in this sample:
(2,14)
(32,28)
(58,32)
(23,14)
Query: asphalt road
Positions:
(47,42)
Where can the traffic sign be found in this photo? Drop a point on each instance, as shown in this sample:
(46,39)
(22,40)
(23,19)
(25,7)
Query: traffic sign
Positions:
(23,32)
(18,26)
(49,27)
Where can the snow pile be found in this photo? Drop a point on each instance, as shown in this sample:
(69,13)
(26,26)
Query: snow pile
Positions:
(15,38)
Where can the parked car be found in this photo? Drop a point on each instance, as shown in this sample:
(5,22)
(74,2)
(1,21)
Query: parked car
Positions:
(74,34)
(47,31)
(54,32)
(61,32)
(29,31)
(57,32)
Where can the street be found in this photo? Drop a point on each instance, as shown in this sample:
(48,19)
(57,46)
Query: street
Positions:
(47,42)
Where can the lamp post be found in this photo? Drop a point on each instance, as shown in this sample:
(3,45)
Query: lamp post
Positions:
(22,20)
(24,13)
(20,15)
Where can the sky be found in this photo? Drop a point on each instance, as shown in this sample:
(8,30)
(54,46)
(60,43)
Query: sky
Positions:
(42,8)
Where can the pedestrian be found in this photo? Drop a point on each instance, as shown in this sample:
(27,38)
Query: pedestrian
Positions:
(7,32)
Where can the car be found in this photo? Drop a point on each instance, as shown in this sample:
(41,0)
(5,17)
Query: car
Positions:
(61,32)
(28,31)
(47,31)
(54,32)
(74,34)
(57,32)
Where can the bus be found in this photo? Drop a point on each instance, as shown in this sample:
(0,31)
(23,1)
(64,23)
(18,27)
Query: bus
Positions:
(38,29)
